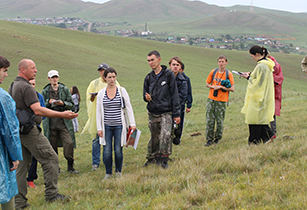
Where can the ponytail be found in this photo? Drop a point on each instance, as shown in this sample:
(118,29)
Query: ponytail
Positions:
(257,49)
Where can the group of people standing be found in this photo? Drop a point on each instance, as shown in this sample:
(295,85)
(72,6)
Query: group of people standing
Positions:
(168,95)
(26,138)
(110,112)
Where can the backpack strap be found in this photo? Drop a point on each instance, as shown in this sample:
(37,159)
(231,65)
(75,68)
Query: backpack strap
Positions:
(214,73)
(227,77)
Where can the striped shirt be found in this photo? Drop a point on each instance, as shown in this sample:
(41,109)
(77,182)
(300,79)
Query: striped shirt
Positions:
(112,110)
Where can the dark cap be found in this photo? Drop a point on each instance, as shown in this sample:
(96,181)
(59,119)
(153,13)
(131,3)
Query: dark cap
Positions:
(103,66)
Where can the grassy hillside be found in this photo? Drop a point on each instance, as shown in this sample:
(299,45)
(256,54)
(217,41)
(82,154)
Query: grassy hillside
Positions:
(178,17)
(149,10)
(40,8)
(232,175)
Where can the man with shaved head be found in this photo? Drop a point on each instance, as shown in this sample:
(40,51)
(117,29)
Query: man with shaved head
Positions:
(35,142)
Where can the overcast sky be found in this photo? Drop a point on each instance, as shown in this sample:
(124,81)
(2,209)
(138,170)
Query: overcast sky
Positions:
(290,5)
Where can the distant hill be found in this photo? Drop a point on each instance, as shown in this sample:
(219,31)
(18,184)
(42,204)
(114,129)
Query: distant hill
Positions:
(123,10)
(151,10)
(247,22)
(40,8)
(182,17)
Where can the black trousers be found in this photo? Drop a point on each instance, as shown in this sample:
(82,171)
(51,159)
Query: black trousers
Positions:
(258,133)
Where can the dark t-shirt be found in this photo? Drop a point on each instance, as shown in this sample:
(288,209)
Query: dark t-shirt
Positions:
(23,94)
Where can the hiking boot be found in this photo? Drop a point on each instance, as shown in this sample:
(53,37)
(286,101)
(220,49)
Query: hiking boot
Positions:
(95,167)
(70,167)
(26,206)
(73,171)
(158,160)
(59,197)
(176,141)
(209,143)
(216,141)
(164,162)
(31,184)
(149,161)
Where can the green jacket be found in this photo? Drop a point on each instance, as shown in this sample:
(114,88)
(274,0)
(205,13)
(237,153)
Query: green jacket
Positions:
(65,96)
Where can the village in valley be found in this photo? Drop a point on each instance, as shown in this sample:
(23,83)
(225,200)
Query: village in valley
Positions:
(274,42)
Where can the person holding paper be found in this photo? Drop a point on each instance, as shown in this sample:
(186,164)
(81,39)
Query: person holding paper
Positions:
(112,121)
(92,90)
(259,103)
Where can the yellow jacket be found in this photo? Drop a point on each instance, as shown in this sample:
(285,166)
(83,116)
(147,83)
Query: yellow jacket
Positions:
(94,87)
(259,103)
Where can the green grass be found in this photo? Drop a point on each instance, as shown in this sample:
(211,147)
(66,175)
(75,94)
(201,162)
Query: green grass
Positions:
(231,175)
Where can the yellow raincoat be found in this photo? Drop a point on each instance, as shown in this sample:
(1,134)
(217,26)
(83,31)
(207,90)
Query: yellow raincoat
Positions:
(259,103)
(93,87)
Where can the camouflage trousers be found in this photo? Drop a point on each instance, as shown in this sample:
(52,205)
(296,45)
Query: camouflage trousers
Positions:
(160,142)
(215,113)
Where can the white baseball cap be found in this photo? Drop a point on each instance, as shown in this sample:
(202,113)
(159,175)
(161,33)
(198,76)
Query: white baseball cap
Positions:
(53,73)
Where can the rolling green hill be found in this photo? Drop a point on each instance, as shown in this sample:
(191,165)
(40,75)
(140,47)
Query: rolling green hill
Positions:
(231,175)
(73,51)
(179,17)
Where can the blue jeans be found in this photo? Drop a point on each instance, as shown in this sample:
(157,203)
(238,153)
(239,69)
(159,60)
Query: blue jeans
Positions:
(110,132)
(96,151)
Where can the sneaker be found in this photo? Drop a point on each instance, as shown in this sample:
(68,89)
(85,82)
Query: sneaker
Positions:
(107,176)
(119,174)
(59,197)
(270,140)
(73,171)
(149,161)
(95,167)
(31,184)
(209,143)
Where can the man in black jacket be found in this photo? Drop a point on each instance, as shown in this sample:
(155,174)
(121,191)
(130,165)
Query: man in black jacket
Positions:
(163,105)
(175,65)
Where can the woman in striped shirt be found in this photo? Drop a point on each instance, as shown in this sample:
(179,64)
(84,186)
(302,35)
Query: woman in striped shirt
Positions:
(112,121)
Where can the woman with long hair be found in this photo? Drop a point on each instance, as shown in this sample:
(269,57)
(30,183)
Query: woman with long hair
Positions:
(112,104)
(259,103)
